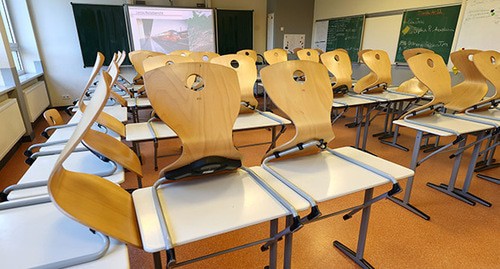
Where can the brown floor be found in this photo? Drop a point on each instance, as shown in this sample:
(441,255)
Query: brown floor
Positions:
(457,236)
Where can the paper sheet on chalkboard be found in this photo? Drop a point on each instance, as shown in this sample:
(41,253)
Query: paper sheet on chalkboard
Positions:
(480,26)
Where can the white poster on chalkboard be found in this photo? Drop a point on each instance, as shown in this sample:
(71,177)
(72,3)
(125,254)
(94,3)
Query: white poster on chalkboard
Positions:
(292,42)
(320,35)
(480,25)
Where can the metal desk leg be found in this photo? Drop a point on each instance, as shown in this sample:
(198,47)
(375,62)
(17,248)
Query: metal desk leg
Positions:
(356,118)
(395,140)
(287,259)
(406,201)
(357,256)
(273,250)
(449,189)
(358,130)
(157,260)
(273,137)
(491,179)
(464,192)
(367,125)
(155,146)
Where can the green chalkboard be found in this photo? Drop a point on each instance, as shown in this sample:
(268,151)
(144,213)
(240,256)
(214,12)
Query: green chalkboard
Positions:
(234,30)
(432,29)
(345,33)
(100,28)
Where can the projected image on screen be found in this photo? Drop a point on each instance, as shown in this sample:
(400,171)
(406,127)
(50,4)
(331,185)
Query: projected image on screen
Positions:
(166,29)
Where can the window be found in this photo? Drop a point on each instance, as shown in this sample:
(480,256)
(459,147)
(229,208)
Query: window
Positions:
(14,47)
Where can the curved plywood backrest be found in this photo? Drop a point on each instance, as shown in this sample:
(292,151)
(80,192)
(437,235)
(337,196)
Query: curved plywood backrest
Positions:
(247,74)
(53,117)
(407,54)
(122,58)
(99,61)
(184,53)
(488,63)
(308,55)
(380,72)
(275,56)
(88,199)
(320,51)
(203,56)
(339,64)
(360,54)
(138,56)
(162,60)
(474,87)
(430,69)
(202,119)
(307,102)
(250,53)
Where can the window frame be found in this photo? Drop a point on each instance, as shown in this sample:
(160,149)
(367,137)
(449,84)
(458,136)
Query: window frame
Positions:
(14,46)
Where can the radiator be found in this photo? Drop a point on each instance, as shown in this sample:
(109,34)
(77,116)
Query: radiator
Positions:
(37,100)
(11,124)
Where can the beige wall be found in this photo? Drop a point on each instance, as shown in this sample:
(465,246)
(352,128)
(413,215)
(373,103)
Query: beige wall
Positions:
(259,18)
(325,9)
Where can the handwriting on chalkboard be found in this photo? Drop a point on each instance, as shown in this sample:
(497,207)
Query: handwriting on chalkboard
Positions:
(345,33)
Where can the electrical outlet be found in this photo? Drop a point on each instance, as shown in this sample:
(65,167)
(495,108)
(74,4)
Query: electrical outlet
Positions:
(65,97)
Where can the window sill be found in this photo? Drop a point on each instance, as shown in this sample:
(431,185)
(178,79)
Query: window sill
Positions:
(25,78)
(6,89)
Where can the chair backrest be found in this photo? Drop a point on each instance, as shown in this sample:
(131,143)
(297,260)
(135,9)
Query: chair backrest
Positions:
(474,87)
(53,117)
(202,119)
(380,72)
(247,74)
(413,85)
(407,54)
(203,56)
(184,53)
(250,53)
(275,56)
(162,60)
(89,199)
(138,56)
(320,51)
(339,64)
(122,58)
(360,54)
(99,61)
(488,63)
(430,69)
(308,55)
(307,103)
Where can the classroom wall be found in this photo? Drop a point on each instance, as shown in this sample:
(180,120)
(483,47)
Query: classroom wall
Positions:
(325,9)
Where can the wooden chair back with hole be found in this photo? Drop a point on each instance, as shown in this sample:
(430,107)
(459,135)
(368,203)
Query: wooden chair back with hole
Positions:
(380,72)
(430,69)
(203,56)
(307,103)
(138,56)
(99,61)
(339,64)
(275,56)
(89,199)
(184,53)
(308,55)
(53,117)
(247,74)
(413,85)
(488,63)
(162,60)
(474,87)
(250,53)
(202,119)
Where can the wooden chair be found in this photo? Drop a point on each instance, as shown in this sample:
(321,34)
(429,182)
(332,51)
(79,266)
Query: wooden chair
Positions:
(339,64)
(53,117)
(308,55)
(320,51)
(488,64)
(474,87)
(202,56)
(184,53)
(413,85)
(162,60)
(360,54)
(380,72)
(250,53)
(275,56)
(247,74)
(138,56)
(431,71)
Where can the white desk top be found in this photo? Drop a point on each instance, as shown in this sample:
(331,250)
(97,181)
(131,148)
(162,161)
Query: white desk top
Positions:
(83,161)
(119,112)
(202,208)
(390,96)
(325,176)
(461,126)
(492,113)
(140,131)
(347,100)
(140,102)
(39,234)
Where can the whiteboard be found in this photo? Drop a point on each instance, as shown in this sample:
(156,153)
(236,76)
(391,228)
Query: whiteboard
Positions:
(480,25)
(382,33)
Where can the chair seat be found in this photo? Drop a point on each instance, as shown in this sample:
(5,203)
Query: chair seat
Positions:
(40,234)
(119,112)
(202,208)
(325,176)
(84,161)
